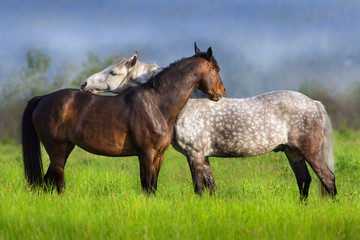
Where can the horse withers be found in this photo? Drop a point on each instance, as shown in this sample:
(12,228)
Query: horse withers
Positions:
(277,121)
(137,122)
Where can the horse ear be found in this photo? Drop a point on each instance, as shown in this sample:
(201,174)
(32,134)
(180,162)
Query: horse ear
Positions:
(209,54)
(197,50)
(133,59)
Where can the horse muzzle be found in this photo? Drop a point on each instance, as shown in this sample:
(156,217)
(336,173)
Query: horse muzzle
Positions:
(216,97)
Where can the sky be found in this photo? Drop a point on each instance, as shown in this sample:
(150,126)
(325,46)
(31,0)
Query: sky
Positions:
(261,45)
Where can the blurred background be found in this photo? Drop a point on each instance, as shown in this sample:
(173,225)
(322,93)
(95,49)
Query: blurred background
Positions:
(261,45)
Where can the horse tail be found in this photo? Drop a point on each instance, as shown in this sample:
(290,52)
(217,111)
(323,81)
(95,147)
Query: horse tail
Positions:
(31,146)
(327,150)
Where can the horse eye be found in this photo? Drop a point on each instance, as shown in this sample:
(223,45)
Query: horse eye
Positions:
(113,73)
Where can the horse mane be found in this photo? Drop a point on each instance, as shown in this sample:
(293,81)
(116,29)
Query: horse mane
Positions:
(159,80)
(149,66)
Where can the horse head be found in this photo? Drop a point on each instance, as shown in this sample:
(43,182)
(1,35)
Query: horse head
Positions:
(210,82)
(124,73)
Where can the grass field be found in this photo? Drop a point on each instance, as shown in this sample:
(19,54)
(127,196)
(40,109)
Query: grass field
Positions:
(257,198)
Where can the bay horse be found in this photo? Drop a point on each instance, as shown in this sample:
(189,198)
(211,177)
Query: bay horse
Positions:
(241,127)
(137,122)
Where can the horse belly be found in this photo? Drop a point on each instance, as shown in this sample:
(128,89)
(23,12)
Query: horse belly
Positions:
(102,141)
(244,138)
(233,147)
(108,147)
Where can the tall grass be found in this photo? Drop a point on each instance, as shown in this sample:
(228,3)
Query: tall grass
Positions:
(256,198)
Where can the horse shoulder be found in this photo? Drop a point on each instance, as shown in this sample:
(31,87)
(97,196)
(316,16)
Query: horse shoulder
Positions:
(145,111)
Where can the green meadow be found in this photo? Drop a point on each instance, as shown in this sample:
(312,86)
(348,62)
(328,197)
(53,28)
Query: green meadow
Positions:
(257,198)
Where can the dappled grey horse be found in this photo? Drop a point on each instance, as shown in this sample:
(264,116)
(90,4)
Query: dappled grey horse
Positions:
(276,121)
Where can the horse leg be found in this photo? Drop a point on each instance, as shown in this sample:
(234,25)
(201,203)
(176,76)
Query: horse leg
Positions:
(196,164)
(58,155)
(156,166)
(147,172)
(208,177)
(326,177)
(298,165)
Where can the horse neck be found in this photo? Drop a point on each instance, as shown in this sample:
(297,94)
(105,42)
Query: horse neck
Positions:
(178,88)
(144,71)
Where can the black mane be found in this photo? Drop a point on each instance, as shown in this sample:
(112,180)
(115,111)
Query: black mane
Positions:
(160,80)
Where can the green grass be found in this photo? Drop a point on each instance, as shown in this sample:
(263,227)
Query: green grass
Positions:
(257,198)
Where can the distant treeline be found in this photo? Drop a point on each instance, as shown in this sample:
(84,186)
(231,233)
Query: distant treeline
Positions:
(36,79)
(343,106)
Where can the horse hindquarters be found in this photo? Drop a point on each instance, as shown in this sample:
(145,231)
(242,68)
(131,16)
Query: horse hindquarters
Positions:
(32,152)
(48,118)
(318,151)
(311,146)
